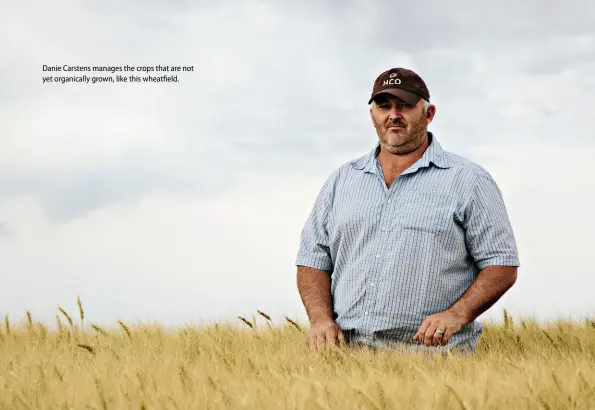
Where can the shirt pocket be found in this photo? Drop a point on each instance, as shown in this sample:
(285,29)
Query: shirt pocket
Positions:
(424,212)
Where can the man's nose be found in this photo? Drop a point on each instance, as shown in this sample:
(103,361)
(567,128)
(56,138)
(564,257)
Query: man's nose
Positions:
(395,114)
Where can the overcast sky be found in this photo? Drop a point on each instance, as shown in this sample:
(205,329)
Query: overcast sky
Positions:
(184,202)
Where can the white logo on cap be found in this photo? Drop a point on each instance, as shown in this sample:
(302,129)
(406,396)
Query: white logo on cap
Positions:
(394,81)
(392,75)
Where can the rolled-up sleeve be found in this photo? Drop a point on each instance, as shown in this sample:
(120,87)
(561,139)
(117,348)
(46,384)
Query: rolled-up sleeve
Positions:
(488,232)
(314,250)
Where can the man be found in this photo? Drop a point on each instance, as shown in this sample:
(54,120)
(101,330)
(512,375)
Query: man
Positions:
(407,245)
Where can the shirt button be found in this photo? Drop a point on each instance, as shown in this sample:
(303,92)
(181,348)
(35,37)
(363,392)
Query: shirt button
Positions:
(390,200)
(384,228)
(366,313)
(372,284)
(377,255)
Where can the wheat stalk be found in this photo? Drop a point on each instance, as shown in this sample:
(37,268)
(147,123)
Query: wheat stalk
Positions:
(7,325)
(99,330)
(60,326)
(67,317)
(184,378)
(42,330)
(293,323)
(246,322)
(125,329)
(459,399)
(507,320)
(100,394)
(366,398)
(86,347)
(81,310)
(30,323)
(552,341)
(267,317)
(57,373)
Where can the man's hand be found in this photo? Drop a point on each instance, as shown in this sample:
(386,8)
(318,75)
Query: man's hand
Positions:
(448,322)
(324,333)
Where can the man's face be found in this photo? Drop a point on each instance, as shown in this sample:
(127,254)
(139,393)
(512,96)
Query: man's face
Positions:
(401,127)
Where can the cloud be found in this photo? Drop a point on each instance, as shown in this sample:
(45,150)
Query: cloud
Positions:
(167,259)
(5,230)
(478,26)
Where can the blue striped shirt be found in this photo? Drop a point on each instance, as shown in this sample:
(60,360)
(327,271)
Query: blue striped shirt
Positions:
(399,254)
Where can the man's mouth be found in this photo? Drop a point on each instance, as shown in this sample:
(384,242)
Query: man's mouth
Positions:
(397,124)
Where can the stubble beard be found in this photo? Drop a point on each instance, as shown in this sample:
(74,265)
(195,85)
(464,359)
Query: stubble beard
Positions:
(412,140)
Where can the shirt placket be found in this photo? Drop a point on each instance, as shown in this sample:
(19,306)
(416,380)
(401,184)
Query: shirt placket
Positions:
(376,271)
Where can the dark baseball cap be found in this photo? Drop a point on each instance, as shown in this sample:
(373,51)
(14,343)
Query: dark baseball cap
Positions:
(402,83)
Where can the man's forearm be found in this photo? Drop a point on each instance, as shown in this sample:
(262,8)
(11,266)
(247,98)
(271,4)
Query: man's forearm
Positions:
(314,286)
(489,286)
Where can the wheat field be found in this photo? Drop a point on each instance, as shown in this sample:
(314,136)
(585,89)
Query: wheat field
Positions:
(257,364)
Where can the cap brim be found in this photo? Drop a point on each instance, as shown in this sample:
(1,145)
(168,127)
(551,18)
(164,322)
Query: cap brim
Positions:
(408,97)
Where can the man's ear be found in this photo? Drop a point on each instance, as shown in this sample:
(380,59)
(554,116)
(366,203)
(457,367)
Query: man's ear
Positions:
(431,113)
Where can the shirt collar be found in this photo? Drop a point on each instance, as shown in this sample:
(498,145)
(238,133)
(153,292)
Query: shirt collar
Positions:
(434,154)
